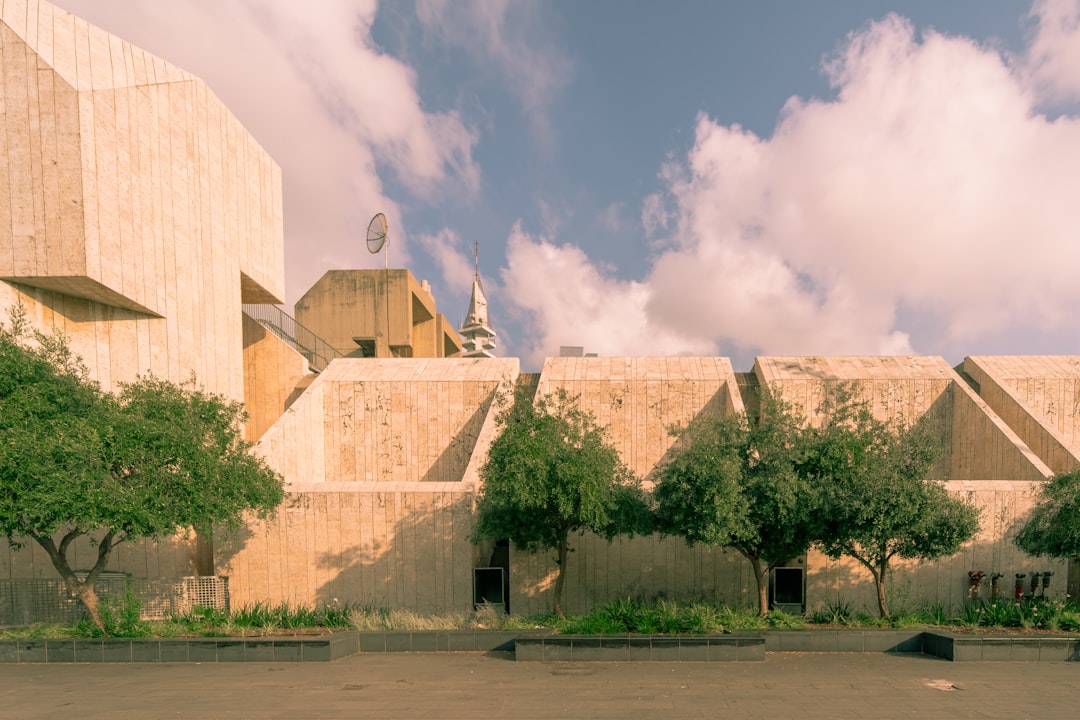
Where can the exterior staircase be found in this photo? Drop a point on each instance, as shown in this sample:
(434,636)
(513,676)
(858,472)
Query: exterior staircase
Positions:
(317,351)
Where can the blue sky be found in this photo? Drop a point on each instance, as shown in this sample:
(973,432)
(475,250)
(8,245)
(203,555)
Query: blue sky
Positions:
(647,178)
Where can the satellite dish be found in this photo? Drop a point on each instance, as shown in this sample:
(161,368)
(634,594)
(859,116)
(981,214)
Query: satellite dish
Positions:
(376,233)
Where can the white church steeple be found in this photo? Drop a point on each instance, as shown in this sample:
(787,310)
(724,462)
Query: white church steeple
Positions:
(479,338)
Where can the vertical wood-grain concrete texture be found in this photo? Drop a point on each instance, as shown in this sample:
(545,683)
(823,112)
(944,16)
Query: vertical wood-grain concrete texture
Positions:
(984,460)
(377,313)
(381,460)
(637,401)
(1038,396)
(1003,505)
(136,215)
(137,212)
(168,558)
(978,445)
(275,375)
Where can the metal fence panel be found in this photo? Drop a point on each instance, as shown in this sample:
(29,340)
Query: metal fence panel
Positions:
(24,602)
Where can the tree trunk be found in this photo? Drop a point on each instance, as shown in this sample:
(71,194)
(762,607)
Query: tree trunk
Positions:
(879,574)
(85,592)
(83,589)
(560,580)
(761,574)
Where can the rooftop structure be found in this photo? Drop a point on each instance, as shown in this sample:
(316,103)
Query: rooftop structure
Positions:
(479,336)
(377,313)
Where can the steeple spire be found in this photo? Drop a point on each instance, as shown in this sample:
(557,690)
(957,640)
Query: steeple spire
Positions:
(479,337)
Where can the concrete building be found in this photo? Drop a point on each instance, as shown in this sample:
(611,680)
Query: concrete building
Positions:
(138,216)
(377,313)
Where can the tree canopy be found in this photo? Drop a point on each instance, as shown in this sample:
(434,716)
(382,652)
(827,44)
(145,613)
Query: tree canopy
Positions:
(879,501)
(1053,528)
(735,482)
(550,473)
(148,462)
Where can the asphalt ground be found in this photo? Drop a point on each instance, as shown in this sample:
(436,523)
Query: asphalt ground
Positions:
(477,685)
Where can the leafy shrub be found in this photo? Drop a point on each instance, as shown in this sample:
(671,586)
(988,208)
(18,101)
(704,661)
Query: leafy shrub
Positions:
(836,612)
(121,617)
(935,614)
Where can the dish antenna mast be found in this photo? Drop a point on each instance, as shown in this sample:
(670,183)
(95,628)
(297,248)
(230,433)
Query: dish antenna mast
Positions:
(376,237)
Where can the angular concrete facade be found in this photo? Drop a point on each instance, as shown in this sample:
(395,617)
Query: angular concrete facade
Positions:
(137,215)
(377,313)
(140,213)
(1038,396)
(637,401)
(382,459)
(985,460)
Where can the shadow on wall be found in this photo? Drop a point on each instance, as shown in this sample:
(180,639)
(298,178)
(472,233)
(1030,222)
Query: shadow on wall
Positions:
(451,463)
(912,585)
(647,567)
(405,550)
(225,544)
(716,406)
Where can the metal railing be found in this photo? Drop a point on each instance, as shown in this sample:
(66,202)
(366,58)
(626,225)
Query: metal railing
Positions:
(26,601)
(317,351)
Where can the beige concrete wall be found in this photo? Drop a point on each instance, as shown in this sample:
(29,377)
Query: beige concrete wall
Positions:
(641,567)
(977,443)
(1003,506)
(983,446)
(274,377)
(1037,396)
(637,401)
(171,557)
(901,388)
(375,420)
(398,545)
(137,211)
(375,304)
(136,214)
(447,337)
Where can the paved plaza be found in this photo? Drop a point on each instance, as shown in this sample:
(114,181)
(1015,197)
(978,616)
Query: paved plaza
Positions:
(475,685)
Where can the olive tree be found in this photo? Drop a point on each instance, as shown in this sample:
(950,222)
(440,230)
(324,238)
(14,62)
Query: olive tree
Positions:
(879,501)
(735,482)
(1053,527)
(148,462)
(550,473)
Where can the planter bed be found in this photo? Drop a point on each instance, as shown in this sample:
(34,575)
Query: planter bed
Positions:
(1001,648)
(531,645)
(320,648)
(740,647)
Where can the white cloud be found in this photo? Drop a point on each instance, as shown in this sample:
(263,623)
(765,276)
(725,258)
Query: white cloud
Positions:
(929,207)
(1053,59)
(567,301)
(455,263)
(930,183)
(342,111)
